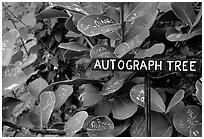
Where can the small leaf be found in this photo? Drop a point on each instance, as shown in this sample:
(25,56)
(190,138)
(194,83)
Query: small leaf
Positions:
(184,11)
(73,46)
(92,25)
(102,51)
(12,78)
(18,56)
(175,100)
(62,94)
(36,86)
(115,83)
(58,36)
(137,96)
(196,130)
(47,104)
(75,123)
(69,25)
(199,91)
(71,53)
(123,107)
(49,13)
(103,107)
(29,60)
(142,9)
(100,126)
(154,50)
(186,118)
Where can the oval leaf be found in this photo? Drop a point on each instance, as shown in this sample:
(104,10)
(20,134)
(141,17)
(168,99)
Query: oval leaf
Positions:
(47,104)
(17,57)
(102,51)
(75,123)
(175,100)
(92,25)
(184,11)
(73,46)
(137,95)
(186,118)
(199,91)
(62,94)
(123,107)
(196,131)
(100,126)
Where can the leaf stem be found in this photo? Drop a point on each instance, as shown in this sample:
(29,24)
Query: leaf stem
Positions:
(88,41)
(122,23)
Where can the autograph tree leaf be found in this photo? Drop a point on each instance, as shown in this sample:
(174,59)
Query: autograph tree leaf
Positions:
(199,91)
(102,51)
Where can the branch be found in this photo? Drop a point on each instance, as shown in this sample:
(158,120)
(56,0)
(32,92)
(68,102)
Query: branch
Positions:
(122,23)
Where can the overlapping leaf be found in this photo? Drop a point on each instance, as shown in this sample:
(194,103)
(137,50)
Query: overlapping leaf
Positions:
(69,24)
(199,91)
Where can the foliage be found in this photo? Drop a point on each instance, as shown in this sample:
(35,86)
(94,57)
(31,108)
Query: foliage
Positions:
(50,89)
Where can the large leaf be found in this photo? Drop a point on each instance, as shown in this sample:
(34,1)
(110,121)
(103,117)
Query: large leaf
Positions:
(142,9)
(137,95)
(196,130)
(75,123)
(47,105)
(100,126)
(159,126)
(199,91)
(123,107)
(186,118)
(102,51)
(62,94)
(103,107)
(36,86)
(184,11)
(112,85)
(12,78)
(155,49)
(175,100)
(49,13)
(8,45)
(134,39)
(92,25)
(73,46)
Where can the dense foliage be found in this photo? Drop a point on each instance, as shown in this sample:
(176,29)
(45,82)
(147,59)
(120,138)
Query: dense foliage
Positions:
(50,89)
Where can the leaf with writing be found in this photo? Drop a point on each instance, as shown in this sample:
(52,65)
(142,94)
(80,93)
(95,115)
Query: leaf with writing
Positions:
(102,51)
(69,25)
(62,94)
(18,56)
(184,11)
(154,50)
(199,91)
(115,83)
(134,39)
(100,126)
(28,61)
(103,107)
(47,105)
(196,130)
(8,106)
(36,86)
(49,13)
(159,126)
(8,45)
(92,25)
(73,46)
(137,96)
(12,78)
(186,118)
(175,100)
(123,107)
(142,9)
(75,123)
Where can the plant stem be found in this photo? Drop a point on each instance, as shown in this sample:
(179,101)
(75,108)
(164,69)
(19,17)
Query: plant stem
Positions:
(88,41)
(122,23)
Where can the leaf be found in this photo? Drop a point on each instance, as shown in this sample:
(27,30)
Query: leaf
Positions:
(75,123)
(18,56)
(198,17)
(115,4)
(100,126)
(36,86)
(178,107)
(76,8)
(120,127)
(8,106)
(115,83)
(142,9)
(47,105)
(58,36)
(102,51)
(35,117)
(164,6)
(58,126)
(92,25)
(103,107)
(113,13)
(186,51)
(186,118)
(71,53)
(69,25)
(173,35)
(23,120)
(196,130)
(113,35)
(92,10)
(123,107)
(137,96)
(28,61)
(96,74)
(62,94)
(49,13)
(134,39)
(154,50)
(184,11)
(12,78)
(168,132)
(175,100)
(73,46)
(8,45)
(159,125)
(199,91)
